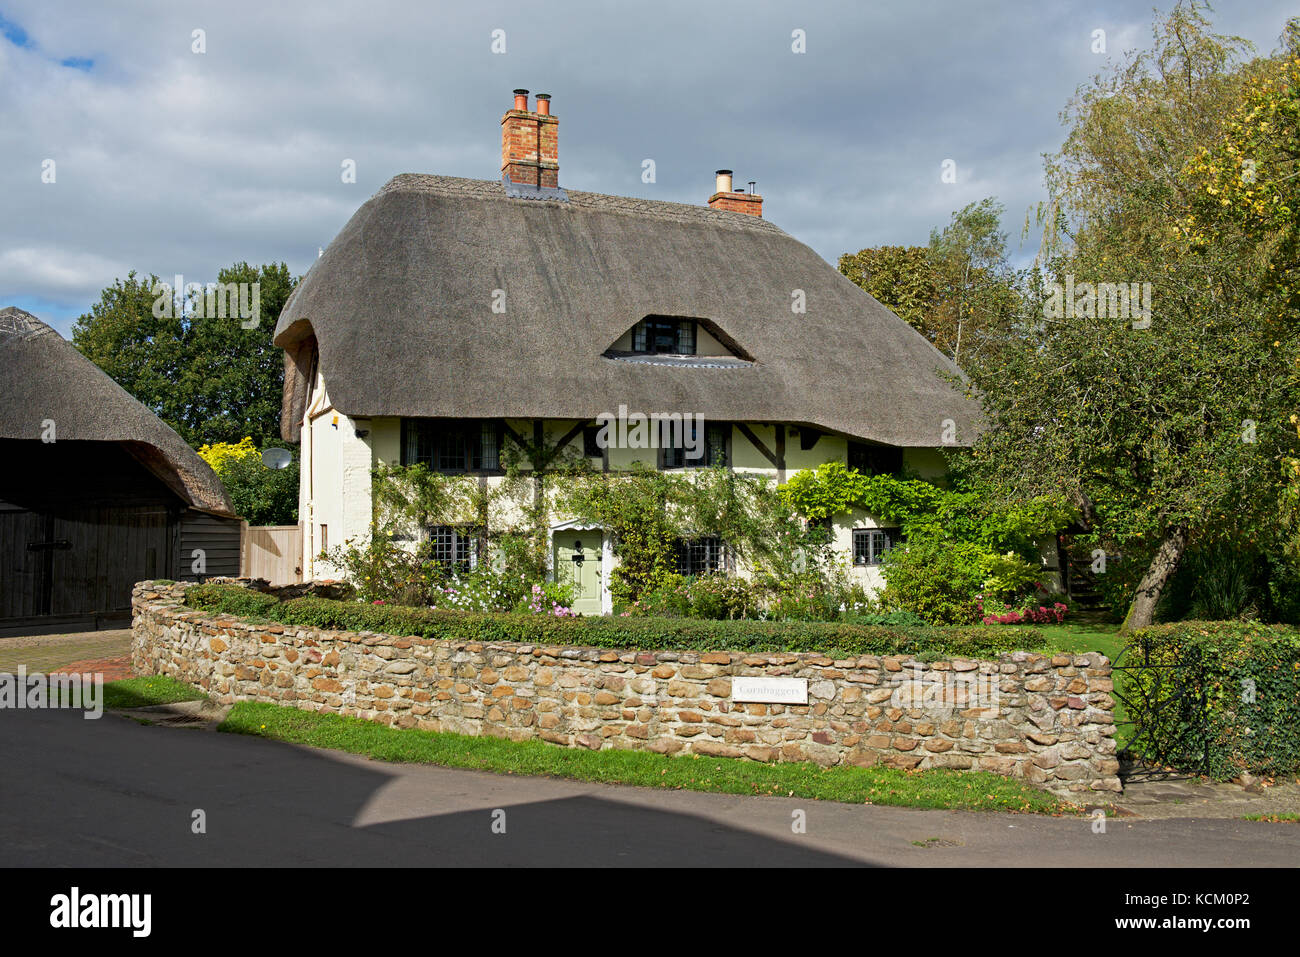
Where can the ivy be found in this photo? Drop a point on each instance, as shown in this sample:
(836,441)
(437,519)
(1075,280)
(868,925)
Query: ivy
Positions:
(927,511)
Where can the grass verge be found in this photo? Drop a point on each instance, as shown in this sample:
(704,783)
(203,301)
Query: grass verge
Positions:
(1283,818)
(132,693)
(143,692)
(964,790)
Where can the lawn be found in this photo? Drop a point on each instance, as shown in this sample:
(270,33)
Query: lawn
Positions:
(966,790)
(139,693)
(1084,635)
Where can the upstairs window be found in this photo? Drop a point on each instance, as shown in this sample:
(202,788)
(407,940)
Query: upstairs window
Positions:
(870,544)
(714,450)
(458,445)
(660,335)
(875,459)
(699,556)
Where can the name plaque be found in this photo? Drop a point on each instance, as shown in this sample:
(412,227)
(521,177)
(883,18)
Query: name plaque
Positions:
(770,690)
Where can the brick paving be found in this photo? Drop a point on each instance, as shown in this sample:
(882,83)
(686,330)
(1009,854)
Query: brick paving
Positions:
(106,652)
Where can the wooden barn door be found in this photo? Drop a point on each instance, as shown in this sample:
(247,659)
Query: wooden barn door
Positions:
(112,548)
(81,562)
(21,569)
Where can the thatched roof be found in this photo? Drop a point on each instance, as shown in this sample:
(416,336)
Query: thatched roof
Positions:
(42,376)
(400,306)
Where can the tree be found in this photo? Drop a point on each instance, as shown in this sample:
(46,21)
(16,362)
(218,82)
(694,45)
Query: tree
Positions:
(901,278)
(1154,386)
(211,375)
(976,295)
(958,292)
(260,495)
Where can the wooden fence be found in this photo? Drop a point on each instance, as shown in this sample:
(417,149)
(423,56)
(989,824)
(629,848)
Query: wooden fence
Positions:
(273,552)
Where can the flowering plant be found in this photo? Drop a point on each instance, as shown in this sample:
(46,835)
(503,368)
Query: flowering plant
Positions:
(998,613)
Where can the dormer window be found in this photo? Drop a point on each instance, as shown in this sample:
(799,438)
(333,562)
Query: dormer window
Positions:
(688,342)
(661,335)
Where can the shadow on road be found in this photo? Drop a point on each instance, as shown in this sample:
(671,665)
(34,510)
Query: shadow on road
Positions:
(113,793)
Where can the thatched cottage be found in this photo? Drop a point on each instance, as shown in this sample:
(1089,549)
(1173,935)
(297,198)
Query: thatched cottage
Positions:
(452,318)
(96,492)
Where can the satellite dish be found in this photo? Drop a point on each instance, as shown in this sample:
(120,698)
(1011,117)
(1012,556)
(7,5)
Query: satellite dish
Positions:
(276,458)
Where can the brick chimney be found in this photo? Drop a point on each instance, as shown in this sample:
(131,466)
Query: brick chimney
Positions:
(735,200)
(530,144)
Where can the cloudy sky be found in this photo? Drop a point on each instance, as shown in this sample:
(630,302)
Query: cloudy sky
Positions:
(168,160)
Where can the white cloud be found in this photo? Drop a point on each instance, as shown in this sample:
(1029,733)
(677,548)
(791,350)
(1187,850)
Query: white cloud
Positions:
(173,162)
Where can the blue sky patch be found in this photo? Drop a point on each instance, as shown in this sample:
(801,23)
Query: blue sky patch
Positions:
(14,33)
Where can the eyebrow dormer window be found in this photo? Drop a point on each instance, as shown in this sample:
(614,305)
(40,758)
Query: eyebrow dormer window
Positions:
(656,335)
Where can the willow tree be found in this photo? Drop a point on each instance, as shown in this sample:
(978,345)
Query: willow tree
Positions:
(1155,381)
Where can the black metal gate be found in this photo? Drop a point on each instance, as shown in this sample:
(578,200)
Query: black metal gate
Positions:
(1165,708)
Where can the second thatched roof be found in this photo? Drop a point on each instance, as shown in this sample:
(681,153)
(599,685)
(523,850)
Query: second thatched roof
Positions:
(44,378)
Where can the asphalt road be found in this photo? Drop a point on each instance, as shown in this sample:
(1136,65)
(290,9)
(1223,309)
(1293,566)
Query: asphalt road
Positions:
(113,792)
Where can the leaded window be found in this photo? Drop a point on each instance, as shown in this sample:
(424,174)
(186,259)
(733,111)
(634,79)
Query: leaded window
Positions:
(870,544)
(663,335)
(455,445)
(455,548)
(699,556)
(686,451)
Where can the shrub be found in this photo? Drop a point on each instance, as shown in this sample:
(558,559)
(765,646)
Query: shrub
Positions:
(383,569)
(231,600)
(946,581)
(937,580)
(891,619)
(1032,610)
(714,597)
(261,495)
(839,639)
(1219,696)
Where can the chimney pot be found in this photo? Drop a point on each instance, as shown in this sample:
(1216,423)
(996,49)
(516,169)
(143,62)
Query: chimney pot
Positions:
(732,198)
(544,104)
(521,100)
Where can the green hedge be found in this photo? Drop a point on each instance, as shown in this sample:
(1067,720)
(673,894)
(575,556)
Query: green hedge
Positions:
(648,634)
(1192,707)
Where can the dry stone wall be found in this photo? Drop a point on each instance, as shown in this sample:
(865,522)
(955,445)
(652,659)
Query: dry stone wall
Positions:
(1044,718)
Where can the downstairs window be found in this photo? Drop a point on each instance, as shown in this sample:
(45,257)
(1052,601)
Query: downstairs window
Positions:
(870,544)
(456,548)
(699,556)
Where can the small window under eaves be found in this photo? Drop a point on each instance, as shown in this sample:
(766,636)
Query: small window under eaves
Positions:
(678,340)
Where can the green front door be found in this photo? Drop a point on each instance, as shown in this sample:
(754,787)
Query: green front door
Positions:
(577,563)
